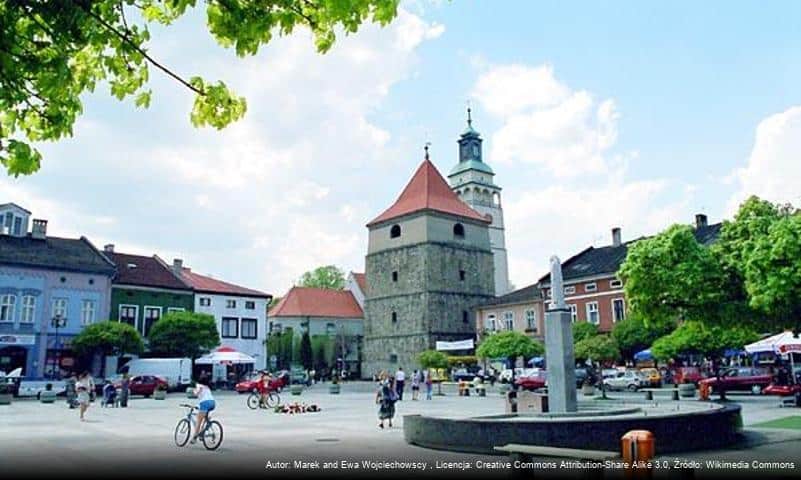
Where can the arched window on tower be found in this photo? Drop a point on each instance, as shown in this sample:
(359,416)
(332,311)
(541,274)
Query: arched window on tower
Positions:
(395,231)
(496,198)
(458,230)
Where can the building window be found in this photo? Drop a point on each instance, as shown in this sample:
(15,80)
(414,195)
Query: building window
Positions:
(548,293)
(573,312)
(128,314)
(395,231)
(18,226)
(152,315)
(205,302)
(394,317)
(618,310)
(615,283)
(7,304)
(60,308)
(395,276)
(393,358)
(490,323)
(249,328)
(462,275)
(570,290)
(88,312)
(590,287)
(458,230)
(465,317)
(509,320)
(250,305)
(531,320)
(230,303)
(230,327)
(28,309)
(592,313)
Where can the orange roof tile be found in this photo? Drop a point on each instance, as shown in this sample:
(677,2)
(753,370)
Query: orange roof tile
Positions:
(317,302)
(427,190)
(203,283)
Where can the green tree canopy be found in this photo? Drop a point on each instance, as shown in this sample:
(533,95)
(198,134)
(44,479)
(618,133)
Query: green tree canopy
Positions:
(184,334)
(699,338)
(432,359)
(671,275)
(583,330)
(51,53)
(329,276)
(598,348)
(108,338)
(509,344)
(634,334)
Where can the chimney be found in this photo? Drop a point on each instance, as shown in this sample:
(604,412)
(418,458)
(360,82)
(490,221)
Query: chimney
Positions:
(700,220)
(109,248)
(616,242)
(177,266)
(39,229)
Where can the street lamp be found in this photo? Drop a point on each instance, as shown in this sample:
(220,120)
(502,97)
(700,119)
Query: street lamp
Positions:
(57,322)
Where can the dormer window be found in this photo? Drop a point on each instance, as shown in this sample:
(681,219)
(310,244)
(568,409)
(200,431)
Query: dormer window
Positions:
(395,231)
(458,230)
(131,266)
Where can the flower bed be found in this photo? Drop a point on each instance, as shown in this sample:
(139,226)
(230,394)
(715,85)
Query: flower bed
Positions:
(293,408)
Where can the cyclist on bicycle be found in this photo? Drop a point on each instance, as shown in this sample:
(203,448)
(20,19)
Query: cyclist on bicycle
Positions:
(205,406)
(263,386)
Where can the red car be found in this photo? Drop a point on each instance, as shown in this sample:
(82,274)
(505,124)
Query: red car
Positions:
(783,390)
(532,382)
(251,384)
(743,379)
(687,375)
(143,384)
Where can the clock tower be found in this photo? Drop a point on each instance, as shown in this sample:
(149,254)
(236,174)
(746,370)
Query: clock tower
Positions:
(472,180)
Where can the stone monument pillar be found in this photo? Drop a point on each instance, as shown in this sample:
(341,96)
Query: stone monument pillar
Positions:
(559,347)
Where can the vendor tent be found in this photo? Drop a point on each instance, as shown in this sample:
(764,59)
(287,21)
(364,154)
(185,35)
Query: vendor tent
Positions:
(225,355)
(643,356)
(779,344)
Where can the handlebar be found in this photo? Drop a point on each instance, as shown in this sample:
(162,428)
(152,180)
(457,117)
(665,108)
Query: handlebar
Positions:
(186,405)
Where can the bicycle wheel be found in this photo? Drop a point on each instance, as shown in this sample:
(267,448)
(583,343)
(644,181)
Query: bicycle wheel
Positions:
(273,400)
(253,401)
(182,432)
(213,435)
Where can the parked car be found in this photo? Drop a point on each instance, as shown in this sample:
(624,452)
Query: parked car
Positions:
(532,382)
(782,390)
(629,380)
(144,384)
(740,379)
(609,372)
(687,375)
(463,375)
(177,372)
(652,376)
(251,383)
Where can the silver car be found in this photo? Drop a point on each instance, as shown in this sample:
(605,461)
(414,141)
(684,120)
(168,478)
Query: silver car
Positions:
(628,380)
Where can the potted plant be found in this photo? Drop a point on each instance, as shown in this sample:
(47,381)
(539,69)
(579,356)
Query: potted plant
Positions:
(334,387)
(48,395)
(160,393)
(6,392)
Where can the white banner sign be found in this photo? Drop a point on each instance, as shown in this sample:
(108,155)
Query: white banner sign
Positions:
(17,339)
(460,345)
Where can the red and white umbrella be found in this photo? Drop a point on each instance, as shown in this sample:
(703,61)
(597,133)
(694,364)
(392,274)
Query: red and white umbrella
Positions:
(225,355)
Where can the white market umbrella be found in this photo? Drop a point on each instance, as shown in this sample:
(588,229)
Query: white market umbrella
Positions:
(779,344)
(226,355)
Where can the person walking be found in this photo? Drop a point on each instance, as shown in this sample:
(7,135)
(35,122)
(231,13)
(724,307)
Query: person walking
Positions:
(400,380)
(429,384)
(70,389)
(416,378)
(84,387)
(386,396)
(125,390)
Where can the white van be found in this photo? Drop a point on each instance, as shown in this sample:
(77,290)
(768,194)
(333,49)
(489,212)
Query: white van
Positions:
(176,371)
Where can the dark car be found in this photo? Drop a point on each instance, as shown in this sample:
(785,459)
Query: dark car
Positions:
(464,375)
(740,379)
(144,384)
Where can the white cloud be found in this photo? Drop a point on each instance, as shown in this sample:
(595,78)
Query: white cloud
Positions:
(545,123)
(773,171)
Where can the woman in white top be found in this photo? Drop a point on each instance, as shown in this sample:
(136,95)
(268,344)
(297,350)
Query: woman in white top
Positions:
(205,405)
(84,387)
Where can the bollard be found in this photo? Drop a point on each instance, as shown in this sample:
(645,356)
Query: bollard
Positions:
(638,450)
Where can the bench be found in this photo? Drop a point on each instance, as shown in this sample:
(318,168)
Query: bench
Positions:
(649,392)
(524,453)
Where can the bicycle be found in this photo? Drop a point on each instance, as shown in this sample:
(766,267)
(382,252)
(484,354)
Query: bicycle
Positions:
(211,436)
(255,401)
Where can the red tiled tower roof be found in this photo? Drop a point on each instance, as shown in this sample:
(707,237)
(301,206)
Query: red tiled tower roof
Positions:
(202,283)
(427,190)
(317,302)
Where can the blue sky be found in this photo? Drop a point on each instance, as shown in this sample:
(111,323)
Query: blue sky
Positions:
(594,115)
